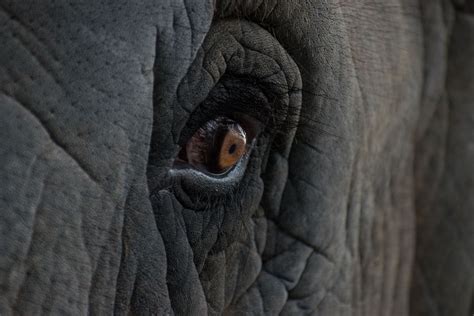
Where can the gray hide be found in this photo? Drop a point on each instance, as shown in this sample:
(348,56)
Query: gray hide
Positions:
(359,200)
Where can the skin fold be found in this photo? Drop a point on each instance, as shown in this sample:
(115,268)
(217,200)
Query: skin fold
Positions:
(354,198)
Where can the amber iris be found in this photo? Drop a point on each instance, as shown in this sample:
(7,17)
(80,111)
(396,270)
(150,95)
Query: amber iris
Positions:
(217,146)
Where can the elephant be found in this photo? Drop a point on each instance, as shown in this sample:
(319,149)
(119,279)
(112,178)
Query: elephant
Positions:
(237,157)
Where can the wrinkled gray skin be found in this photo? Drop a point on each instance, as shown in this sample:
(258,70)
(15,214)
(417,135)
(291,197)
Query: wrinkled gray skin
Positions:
(365,206)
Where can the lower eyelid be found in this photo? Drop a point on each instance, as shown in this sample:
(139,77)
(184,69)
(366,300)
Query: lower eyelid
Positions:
(233,174)
(193,187)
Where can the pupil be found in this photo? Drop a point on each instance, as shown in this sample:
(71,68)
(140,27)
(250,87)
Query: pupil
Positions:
(232,149)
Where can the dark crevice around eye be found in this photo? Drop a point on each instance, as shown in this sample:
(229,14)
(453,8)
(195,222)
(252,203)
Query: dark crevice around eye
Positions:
(235,95)
(235,99)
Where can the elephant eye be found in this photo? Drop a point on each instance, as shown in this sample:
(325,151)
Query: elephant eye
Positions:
(215,147)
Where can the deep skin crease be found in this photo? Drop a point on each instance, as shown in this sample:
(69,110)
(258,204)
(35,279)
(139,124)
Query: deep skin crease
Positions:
(355,196)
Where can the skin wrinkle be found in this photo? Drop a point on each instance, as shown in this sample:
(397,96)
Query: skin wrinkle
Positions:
(43,63)
(364,101)
(39,205)
(438,224)
(56,141)
(45,46)
(428,290)
(28,252)
(287,280)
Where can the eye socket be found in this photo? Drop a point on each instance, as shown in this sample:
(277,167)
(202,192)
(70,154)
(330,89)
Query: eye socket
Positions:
(215,147)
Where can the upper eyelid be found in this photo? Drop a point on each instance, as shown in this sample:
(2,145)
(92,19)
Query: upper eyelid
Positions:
(211,109)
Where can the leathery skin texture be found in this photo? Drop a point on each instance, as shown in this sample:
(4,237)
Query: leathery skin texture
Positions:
(355,195)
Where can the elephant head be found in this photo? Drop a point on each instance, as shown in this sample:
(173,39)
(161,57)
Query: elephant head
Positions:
(237,157)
